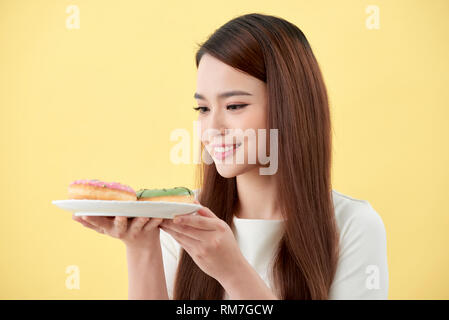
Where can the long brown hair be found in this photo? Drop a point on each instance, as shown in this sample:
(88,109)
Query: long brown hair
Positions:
(275,51)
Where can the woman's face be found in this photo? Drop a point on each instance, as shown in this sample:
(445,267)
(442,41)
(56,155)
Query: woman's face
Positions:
(229,99)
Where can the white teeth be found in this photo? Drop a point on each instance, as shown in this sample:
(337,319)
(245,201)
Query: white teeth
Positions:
(221,149)
(225,149)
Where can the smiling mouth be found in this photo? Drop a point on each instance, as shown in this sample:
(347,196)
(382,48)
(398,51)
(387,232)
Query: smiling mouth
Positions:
(221,152)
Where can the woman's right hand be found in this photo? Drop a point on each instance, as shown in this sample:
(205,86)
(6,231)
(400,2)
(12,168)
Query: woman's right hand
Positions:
(137,233)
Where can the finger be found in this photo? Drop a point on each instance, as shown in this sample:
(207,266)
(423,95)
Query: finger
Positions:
(120,224)
(187,247)
(206,212)
(189,231)
(198,221)
(87,225)
(183,239)
(99,230)
(153,223)
(137,224)
(76,218)
(99,221)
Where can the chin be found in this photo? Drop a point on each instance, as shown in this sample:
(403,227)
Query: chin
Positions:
(232,170)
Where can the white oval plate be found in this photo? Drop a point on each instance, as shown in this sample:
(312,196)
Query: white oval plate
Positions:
(112,208)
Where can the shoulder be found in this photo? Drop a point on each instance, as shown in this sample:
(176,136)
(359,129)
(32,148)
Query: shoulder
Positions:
(362,271)
(356,217)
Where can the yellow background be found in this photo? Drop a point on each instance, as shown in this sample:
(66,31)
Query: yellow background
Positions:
(101,101)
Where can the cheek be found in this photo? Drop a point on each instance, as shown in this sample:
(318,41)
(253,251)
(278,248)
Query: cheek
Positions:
(253,121)
(256,119)
(203,130)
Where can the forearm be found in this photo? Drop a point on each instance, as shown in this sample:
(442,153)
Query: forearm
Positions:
(247,285)
(146,276)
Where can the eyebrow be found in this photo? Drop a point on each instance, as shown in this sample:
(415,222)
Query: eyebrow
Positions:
(226,94)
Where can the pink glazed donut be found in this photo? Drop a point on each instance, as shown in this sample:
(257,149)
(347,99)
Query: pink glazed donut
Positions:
(100,190)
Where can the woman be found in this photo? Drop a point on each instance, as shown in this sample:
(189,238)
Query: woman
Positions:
(282,235)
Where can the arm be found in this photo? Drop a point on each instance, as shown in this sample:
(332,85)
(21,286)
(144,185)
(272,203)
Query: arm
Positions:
(146,276)
(211,244)
(247,285)
(362,272)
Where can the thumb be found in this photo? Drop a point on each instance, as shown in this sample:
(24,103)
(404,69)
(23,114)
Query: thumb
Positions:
(206,212)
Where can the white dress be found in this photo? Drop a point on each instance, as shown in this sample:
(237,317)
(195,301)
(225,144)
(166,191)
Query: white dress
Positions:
(362,270)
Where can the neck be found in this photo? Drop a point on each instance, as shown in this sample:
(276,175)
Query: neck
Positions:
(257,196)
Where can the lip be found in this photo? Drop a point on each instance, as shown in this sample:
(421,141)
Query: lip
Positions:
(225,154)
(223,145)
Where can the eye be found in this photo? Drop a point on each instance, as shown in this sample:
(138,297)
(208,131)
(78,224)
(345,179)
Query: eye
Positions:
(200,109)
(236,106)
(230,107)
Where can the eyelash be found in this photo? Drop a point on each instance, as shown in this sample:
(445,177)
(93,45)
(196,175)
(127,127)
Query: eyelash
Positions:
(239,106)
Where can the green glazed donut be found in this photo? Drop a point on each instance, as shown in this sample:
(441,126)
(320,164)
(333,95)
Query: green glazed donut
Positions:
(176,194)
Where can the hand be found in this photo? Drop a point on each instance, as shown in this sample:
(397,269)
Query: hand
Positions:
(209,241)
(140,232)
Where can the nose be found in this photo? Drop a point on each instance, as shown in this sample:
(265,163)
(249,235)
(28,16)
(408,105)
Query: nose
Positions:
(215,127)
(216,135)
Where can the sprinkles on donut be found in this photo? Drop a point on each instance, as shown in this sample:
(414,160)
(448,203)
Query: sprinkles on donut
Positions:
(100,190)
